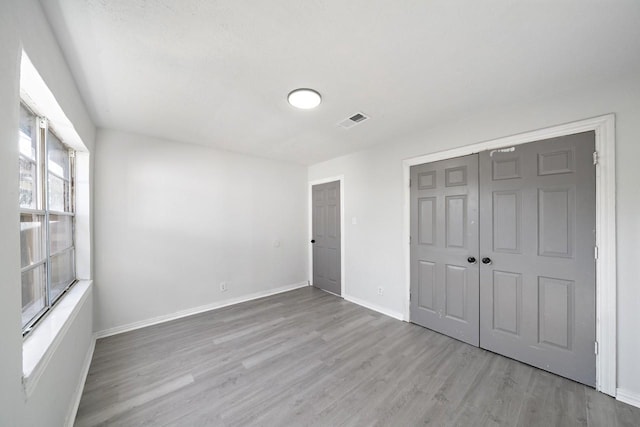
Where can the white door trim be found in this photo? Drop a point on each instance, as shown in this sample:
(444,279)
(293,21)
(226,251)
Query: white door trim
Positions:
(339,178)
(606,284)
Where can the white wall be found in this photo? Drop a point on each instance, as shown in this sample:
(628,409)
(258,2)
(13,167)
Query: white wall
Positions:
(11,353)
(51,401)
(374,194)
(173,220)
(22,23)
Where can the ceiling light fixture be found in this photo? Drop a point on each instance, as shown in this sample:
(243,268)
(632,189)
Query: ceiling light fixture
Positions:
(304,99)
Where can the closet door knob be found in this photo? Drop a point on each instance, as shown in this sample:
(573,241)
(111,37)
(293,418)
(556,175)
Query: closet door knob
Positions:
(313,240)
(486,260)
(471,260)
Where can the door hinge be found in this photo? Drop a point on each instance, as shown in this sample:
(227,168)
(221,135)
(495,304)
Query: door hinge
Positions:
(595,252)
(409,239)
(595,157)
(595,349)
(409,296)
(409,183)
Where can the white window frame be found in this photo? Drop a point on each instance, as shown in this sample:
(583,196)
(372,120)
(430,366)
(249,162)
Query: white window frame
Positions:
(41,125)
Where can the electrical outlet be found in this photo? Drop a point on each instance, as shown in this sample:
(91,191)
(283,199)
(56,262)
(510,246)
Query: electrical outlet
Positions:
(223,286)
(380,291)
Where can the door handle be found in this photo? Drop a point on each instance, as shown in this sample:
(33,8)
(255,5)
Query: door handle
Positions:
(313,240)
(486,260)
(471,260)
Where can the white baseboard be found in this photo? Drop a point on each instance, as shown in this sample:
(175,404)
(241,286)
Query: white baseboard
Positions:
(196,310)
(387,312)
(75,403)
(628,396)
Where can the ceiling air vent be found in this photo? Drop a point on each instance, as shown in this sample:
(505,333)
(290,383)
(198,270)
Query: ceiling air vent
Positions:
(356,119)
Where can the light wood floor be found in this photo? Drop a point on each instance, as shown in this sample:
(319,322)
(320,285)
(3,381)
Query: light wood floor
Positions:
(309,358)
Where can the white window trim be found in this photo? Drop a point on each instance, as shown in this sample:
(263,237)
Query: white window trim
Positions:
(606,281)
(43,129)
(40,344)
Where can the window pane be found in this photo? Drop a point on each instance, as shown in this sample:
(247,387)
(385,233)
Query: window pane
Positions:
(57,156)
(33,293)
(28,183)
(62,273)
(27,140)
(31,239)
(58,194)
(60,232)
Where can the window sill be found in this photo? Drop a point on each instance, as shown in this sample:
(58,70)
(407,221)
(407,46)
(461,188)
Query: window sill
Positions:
(41,343)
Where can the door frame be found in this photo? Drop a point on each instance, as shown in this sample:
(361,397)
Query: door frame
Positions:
(340,179)
(606,282)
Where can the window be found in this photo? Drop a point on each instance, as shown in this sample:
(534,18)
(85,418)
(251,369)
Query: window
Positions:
(47,217)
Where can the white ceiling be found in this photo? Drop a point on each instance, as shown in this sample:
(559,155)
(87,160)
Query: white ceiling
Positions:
(217,73)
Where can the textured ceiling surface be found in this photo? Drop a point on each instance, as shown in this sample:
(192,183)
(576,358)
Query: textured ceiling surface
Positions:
(217,73)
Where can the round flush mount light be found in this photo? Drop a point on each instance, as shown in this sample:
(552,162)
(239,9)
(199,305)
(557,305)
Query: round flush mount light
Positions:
(304,99)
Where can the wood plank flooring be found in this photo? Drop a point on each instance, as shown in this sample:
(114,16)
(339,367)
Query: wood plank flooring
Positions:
(306,357)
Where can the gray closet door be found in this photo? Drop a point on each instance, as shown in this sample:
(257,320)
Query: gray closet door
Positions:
(537,223)
(444,235)
(326,236)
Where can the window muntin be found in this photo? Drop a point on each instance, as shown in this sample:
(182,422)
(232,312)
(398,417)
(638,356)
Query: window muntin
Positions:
(59,174)
(60,232)
(34,298)
(47,217)
(32,232)
(62,273)
(28,141)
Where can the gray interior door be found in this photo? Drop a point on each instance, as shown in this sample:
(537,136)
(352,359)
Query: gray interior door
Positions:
(326,236)
(537,223)
(444,247)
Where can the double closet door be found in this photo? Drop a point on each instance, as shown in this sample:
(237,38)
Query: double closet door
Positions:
(502,252)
